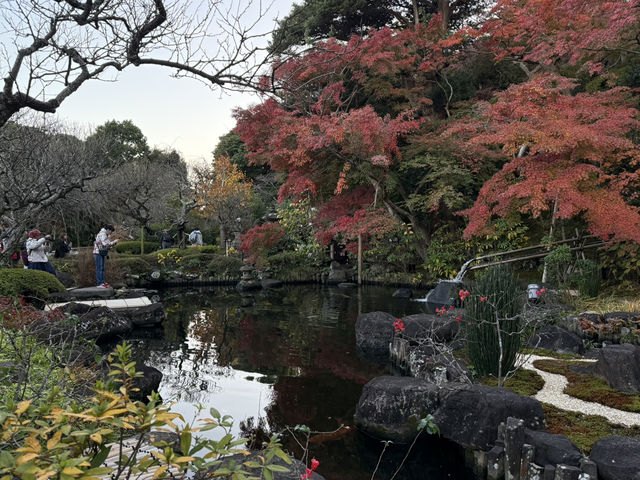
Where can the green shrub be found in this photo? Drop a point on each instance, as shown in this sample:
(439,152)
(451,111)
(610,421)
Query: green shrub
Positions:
(292,263)
(133,265)
(221,266)
(134,247)
(493,322)
(29,283)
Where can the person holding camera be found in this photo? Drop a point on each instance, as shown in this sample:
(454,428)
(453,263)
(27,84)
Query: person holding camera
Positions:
(37,247)
(101,247)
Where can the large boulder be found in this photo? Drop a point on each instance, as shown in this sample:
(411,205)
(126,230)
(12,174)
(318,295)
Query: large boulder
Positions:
(552,449)
(102,324)
(147,316)
(440,328)
(619,366)
(618,458)
(390,408)
(552,337)
(470,415)
(374,331)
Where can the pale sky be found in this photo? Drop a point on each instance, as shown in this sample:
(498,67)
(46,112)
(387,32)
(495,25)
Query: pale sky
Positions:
(181,114)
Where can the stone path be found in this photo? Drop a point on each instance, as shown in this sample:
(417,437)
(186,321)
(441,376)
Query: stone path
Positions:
(553,393)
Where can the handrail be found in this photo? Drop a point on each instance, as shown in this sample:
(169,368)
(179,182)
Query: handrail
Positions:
(465,267)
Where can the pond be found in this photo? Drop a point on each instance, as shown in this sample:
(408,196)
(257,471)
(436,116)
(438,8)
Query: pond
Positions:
(281,358)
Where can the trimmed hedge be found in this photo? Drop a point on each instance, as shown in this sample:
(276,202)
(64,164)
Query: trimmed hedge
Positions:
(29,283)
(134,247)
(133,265)
(221,266)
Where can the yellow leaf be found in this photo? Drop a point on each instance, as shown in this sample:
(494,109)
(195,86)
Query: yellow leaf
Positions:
(25,458)
(72,471)
(184,459)
(160,471)
(96,437)
(53,441)
(22,407)
(34,444)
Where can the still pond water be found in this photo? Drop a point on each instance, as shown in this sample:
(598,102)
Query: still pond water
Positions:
(286,357)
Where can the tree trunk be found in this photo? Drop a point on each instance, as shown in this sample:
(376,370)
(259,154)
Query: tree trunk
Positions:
(444,9)
(223,238)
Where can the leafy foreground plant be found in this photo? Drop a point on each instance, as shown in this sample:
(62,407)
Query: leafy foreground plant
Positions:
(38,442)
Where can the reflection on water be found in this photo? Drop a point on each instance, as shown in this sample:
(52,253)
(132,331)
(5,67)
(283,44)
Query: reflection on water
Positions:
(286,358)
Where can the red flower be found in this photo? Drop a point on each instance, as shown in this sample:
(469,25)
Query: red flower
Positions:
(463,295)
(398,325)
(459,318)
(482,299)
(314,463)
(451,307)
(306,475)
(542,290)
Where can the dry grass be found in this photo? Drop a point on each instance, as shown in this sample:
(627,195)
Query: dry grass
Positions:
(87,269)
(602,305)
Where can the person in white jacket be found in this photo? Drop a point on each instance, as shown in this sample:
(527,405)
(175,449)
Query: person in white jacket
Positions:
(101,247)
(37,252)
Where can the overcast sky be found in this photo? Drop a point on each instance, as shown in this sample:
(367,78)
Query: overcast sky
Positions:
(181,114)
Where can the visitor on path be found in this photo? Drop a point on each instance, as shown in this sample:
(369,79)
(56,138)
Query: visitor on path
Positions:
(61,246)
(195,238)
(37,248)
(166,240)
(101,247)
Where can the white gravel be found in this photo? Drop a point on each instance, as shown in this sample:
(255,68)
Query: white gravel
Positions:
(553,393)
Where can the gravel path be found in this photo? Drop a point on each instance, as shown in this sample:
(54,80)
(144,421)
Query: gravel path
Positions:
(552,393)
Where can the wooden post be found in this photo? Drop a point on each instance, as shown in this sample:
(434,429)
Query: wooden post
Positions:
(359,259)
(514,439)
(141,240)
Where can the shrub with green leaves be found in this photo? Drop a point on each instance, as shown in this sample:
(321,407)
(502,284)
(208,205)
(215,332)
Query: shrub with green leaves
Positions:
(28,283)
(221,266)
(493,322)
(133,248)
(48,441)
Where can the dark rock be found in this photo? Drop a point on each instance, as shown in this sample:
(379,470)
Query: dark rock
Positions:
(619,366)
(136,293)
(147,316)
(626,317)
(618,458)
(551,449)
(439,328)
(374,331)
(296,468)
(347,285)
(552,337)
(444,293)
(102,324)
(149,382)
(402,293)
(66,279)
(390,408)
(470,415)
(75,308)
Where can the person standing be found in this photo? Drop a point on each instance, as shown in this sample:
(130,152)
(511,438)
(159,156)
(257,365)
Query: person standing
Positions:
(166,239)
(62,246)
(37,252)
(101,247)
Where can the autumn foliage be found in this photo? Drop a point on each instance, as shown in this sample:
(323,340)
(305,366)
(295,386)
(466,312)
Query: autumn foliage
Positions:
(398,126)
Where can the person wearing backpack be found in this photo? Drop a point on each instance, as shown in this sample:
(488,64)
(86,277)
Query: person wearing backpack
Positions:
(195,238)
(101,247)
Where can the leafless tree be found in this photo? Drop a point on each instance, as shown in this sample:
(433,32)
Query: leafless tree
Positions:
(41,162)
(58,45)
